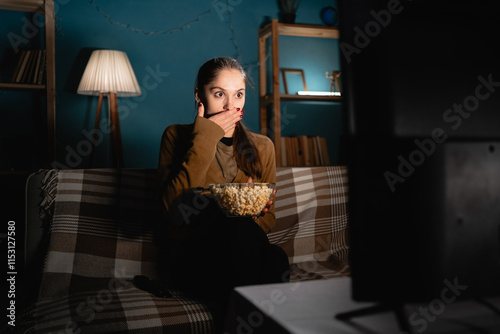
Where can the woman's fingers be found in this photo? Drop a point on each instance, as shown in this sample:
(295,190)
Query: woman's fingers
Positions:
(231,119)
(269,204)
(227,119)
(201,109)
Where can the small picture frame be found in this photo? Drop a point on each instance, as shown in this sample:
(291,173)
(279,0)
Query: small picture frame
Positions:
(284,72)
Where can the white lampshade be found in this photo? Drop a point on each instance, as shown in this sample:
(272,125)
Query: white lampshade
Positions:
(109,71)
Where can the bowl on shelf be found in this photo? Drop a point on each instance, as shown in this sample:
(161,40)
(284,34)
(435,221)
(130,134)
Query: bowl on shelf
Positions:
(242,199)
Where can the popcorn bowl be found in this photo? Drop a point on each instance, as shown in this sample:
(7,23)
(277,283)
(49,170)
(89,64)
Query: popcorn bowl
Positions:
(242,199)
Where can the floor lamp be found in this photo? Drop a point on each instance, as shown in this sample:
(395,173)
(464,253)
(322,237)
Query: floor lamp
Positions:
(109,73)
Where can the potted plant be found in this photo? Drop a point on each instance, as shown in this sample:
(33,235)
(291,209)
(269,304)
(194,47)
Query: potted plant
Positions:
(288,8)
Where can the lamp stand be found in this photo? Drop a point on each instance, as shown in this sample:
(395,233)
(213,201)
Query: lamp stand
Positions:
(114,130)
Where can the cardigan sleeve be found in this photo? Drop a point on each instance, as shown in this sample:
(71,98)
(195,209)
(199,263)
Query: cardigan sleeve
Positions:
(268,221)
(185,158)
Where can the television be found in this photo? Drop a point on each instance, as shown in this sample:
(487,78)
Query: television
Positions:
(421,95)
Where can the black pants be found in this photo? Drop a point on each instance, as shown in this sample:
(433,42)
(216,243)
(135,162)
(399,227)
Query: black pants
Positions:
(219,253)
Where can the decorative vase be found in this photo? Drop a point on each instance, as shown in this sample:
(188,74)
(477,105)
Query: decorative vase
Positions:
(288,18)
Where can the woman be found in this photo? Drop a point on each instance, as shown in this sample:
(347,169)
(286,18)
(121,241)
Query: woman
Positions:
(207,254)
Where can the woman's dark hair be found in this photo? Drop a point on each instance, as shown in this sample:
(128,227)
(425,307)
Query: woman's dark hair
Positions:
(246,154)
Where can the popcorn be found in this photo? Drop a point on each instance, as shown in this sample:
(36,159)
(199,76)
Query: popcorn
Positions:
(247,199)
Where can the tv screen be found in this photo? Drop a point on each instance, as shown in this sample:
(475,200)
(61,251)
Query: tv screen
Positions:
(421,94)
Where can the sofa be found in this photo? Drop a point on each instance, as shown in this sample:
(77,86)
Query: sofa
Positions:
(90,231)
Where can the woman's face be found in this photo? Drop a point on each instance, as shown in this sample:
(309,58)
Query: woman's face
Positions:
(225,92)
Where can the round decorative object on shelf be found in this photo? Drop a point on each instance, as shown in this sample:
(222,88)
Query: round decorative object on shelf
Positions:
(329,16)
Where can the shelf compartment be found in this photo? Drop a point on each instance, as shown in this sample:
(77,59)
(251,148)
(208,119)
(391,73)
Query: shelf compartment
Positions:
(46,7)
(272,31)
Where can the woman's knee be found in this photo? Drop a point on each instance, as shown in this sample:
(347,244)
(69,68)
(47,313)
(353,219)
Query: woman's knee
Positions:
(246,229)
(276,267)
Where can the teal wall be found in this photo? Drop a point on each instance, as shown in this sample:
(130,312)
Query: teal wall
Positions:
(166,43)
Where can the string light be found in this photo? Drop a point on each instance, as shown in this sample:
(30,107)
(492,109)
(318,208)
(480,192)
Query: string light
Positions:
(233,38)
(185,26)
(248,67)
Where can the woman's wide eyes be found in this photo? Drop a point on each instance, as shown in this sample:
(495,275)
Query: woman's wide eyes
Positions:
(221,94)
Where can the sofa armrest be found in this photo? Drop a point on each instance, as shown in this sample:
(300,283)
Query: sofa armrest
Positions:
(34,228)
(35,236)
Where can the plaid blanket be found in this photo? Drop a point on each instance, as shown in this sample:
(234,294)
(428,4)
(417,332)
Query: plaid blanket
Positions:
(311,220)
(103,233)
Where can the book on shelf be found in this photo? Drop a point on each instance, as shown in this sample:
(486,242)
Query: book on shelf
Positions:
(18,66)
(317,160)
(23,60)
(324,151)
(283,151)
(37,66)
(30,67)
(41,70)
(304,151)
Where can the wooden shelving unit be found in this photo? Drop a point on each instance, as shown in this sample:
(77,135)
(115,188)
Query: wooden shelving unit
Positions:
(46,7)
(273,30)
